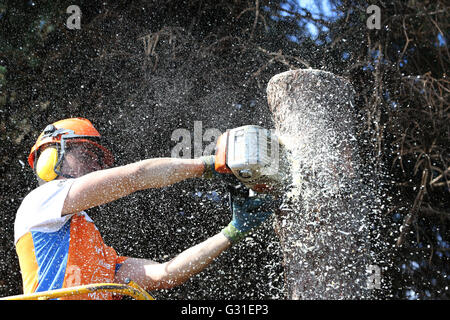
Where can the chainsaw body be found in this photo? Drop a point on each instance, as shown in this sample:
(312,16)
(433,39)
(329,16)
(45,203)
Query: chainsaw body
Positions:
(253,155)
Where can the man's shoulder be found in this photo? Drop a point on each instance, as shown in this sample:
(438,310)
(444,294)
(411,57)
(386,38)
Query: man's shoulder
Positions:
(42,207)
(41,191)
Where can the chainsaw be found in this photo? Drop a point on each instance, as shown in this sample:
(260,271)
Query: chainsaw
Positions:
(256,157)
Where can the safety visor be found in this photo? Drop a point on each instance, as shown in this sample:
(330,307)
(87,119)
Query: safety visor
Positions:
(61,137)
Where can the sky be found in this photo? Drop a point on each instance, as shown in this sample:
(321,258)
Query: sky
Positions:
(325,11)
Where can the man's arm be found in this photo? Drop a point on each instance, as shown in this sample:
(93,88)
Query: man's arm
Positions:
(103,186)
(152,275)
(247,215)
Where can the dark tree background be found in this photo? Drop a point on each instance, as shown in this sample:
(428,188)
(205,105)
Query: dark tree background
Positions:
(142,69)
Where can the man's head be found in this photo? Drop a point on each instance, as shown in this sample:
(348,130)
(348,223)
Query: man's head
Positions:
(68,148)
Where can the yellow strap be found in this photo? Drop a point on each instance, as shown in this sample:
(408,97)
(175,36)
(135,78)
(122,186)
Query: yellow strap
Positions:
(131,289)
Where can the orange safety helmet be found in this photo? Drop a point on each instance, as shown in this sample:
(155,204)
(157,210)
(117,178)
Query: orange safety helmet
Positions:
(75,129)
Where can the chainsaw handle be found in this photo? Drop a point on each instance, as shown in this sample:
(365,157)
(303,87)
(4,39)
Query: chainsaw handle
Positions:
(220,162)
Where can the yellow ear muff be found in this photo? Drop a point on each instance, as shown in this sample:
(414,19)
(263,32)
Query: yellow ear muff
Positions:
(46,163)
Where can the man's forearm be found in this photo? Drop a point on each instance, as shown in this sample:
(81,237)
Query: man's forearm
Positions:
(190,262)
(161,172)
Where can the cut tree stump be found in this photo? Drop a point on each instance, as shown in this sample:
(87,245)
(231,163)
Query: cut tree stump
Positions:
(322,224)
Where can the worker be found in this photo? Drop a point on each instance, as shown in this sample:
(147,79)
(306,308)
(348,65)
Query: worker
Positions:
(57,243)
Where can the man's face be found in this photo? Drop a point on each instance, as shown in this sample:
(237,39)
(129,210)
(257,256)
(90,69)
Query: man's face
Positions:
(80,159)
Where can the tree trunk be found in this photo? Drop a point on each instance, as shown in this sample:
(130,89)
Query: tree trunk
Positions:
(322,225)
